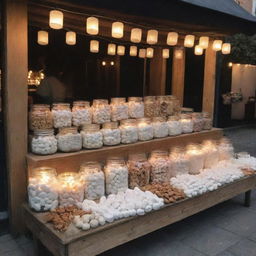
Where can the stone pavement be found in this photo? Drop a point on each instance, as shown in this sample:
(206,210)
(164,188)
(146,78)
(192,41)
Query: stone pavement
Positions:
(228,229)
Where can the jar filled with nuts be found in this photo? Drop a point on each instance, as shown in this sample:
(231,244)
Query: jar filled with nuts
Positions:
(119,109)
(207,121)
(129,131)
(111,134)
(152,108)
(176,106)
(170,105)
(94,180)
(186,123)
(165,105)
(196,158)
(81,113)
(62,115)
(145,129)
(40,117)
(198,121)
(139,170)
(136,107)
(92,137)
(160,127)
(174,125)
(101,111)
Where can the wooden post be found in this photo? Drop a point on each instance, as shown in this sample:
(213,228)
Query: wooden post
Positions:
(209,80)
(15,70)
(178,73)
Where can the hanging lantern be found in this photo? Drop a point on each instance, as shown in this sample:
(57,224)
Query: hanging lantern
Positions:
(111,49)
(152,36)
(166,53)
(42,37)
(189,41)
(70,38)
(226,48)
(204,42)
(217,45)
(117,29)
(178,53)
(56,19)
(133,50)
(142,53)
(199,50)
(120,50)
(172,38)
(94,46)
(92,26)
(136,34)
(150,52)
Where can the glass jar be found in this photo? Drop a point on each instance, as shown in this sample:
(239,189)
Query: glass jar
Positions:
(165,105)
(69,140)
(196,158)
(145,129)
(152,107)
(160,127)
(174,126)
(160,171)
(101,111)
(62,115)
(211,153)
(44,142)
(71,189)
(81,113)
(179,161)
(170,108)
(207,121)
(129,131)
(43,189)
(176,106)
(225,148)
(111,134)
(136,107)
(92,137)
(186,123)
(40,117)
(93,179)
(119,109)
(116,174)
(139,170)
(198,122)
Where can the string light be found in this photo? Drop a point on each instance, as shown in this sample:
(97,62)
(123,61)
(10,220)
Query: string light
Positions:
(120,50)
(226,48)
(152,36)
(142,53)
(56,19)
(112,63)
(198,50)
(204,42)
(230,64)
(136,34)
(94,46)
(92,26)
(178,53)
(111,49)
(217,45)
(70,38)
(166,53)
(189,41)
(172,38)
(150,53)
(133,50)
(42,37)
(103,63)
(117,29)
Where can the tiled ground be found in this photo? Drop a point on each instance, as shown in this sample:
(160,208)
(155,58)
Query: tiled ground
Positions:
(228,229)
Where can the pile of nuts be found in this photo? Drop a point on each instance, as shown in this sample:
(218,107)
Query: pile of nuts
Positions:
(248,171)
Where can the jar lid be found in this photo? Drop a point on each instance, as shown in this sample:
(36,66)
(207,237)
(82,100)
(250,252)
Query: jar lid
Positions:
(137,99)
(66,130)
(44,171)
(187,110)
(137,157)
(91,127)
(118,100)
(144,120)
(197,115)
(185,116)
(43,132)
(159,153)
(100,102)
(115,160)
(69,177)
(81,103)
(110,125)
(128,121)
(90,166)
(61,104)
(173,118)
(158,119)
(40,107)
(149,98)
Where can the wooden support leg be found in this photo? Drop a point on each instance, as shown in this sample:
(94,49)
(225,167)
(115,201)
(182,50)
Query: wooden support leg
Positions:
(247,198)
(39,249)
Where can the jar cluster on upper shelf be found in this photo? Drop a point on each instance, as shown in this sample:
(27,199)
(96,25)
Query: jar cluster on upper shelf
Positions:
(68,129)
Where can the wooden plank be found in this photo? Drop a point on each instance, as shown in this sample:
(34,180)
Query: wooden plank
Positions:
(76,242)
(209,80)
(15,105)
(72,161)
(178,74)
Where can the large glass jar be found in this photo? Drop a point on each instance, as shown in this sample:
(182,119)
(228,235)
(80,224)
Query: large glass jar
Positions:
(225,148)
(207,121)
(43,189)
(92,136)
(166,105)
(211,153)
(69,140)
(174,125)
(101,111)
(160,127)
(94,180)
(62,115)
(179,161)
(129,131)
(198,122)
(119,109)
(81,113)
(160,172)
(186,123)
(139,170)
(116,174)
(196,158)
(170,105)
(145,129)
(44,142)
(40,117)
(176,106)
(111,134)
(136,107)
(71,189)
(152,107)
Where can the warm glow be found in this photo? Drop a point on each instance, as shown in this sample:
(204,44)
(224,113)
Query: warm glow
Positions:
(117,29)
(230,64)
(133,50)
(56,19)
(226,48)
(204,42)
(166,53)
(136,34)
(120,50)
(103,63)
(94,46)
(42,37)
(199,50)
(152,36)
(189,41)
(150,53)
(142,53)
(70,38)
(172,38)
(217,45)
(178,53)
(112,63)
(92,26)
(111,49)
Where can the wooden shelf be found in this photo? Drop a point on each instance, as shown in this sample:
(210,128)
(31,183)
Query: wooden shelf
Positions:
(72,161)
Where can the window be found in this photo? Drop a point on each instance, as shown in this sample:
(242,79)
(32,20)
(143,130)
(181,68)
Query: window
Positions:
(254,7)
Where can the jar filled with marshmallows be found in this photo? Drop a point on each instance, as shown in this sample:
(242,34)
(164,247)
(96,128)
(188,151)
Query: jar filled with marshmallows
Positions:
(196,158)
(186,123)
(136,107)
(211,153)
(174,126)
(111,134)
(62,115)
(81,113)
(225,148)
(145,129)
(101,111)
(119,109)
(92,136)
(160,127)
(129,131)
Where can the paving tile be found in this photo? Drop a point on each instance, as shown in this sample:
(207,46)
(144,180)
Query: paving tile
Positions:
(252,236)
(5,238)
(226,253)
(23,240)
(28,249)
(244,248)
(17,252)
(8,245)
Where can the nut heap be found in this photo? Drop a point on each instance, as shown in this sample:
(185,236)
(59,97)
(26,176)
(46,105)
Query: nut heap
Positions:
(165,191)
(248,171)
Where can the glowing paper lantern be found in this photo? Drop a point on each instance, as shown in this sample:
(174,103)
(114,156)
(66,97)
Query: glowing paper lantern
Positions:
(111,49)
(71,38)
(217,45)
(94,46)
(92,26)
(166,53)
(142,53)
(150,52)
(152,36)
(172,38)
(199,50)
(226,48)
(56,19)
(133,51)
(204,42)
(136,34)
(120,50)
(178,53)
(117,29)
(42,37)
(189,41)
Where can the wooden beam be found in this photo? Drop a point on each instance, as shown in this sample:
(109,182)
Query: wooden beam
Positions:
(209,80)
(178,73)
(15,105)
